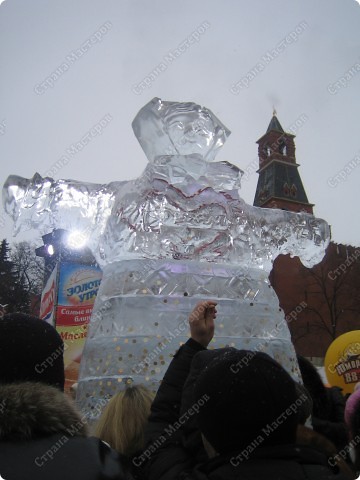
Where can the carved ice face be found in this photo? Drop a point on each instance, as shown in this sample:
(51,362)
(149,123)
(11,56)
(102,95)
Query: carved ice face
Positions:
(192,131)
(173,128)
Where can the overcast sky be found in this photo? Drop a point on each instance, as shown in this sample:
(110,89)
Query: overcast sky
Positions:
(69,66)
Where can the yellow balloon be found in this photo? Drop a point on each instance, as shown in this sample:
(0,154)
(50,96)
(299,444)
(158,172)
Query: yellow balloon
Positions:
(342,361)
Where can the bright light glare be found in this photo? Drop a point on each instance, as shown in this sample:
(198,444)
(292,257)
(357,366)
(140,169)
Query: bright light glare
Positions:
(76,239)
(50,250)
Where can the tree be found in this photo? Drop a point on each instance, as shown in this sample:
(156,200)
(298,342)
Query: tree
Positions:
(328,293)
(21,277)
(333,289)
(6,275)
(29,268)
(13,293)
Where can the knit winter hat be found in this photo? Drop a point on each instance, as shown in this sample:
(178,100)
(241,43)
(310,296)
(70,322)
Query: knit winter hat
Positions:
(246,400)
(30,350)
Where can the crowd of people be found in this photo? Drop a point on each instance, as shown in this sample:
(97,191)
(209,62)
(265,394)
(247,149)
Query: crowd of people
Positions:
(218,414)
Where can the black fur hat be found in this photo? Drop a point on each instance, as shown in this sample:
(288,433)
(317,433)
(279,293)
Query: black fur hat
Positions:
(30,350)
(246,399)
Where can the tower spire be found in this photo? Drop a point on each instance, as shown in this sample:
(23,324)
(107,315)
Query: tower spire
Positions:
(279,184)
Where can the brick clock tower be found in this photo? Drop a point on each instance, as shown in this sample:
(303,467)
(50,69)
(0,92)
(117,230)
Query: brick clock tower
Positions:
(279,184)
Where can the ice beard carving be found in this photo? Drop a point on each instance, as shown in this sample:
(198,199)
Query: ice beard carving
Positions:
(177,234)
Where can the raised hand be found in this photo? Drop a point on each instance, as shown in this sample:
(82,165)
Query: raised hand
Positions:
(201,321)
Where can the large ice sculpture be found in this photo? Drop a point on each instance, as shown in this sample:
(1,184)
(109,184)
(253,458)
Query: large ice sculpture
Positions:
(177,234)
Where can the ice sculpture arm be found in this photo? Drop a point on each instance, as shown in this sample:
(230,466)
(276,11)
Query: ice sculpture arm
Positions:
(308,237)
(44,204)
(271,232)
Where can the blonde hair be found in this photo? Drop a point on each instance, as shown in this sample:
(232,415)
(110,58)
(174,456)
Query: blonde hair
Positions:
(122,423)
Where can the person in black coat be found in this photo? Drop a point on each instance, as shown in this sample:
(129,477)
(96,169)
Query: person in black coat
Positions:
(245,406)
(42,436)
(328,405)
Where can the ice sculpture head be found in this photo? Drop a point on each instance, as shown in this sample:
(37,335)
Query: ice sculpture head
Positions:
(174,128)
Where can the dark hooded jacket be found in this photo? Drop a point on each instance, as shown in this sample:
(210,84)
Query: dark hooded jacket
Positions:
(173,450)
(42,437)
(328,405)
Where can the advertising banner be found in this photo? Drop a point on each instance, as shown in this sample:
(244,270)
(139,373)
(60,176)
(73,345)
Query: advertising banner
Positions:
(77,290)
(48,299)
